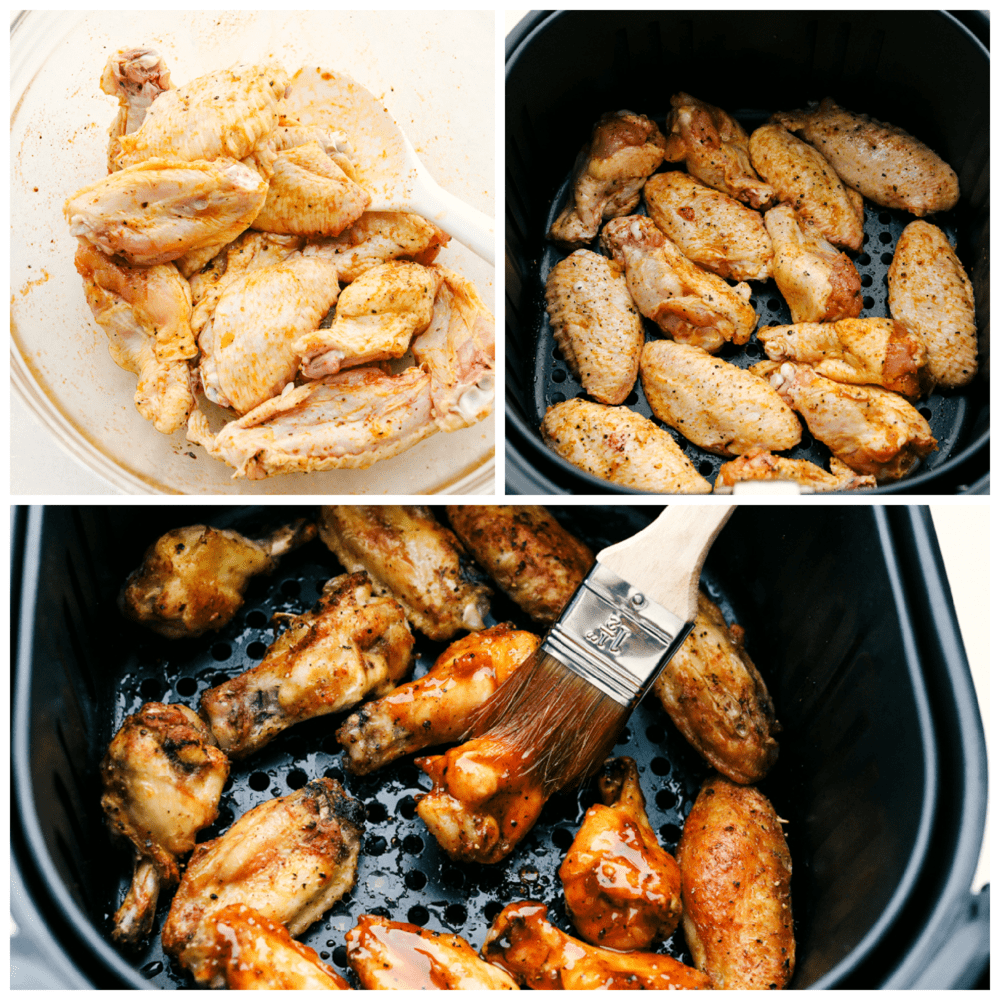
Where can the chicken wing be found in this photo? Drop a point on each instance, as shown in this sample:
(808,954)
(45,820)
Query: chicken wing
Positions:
(290,859)
(624,150)
(802,178)
(623,890)
(162,777)
(883,162)
(193,579)
(686,303)
(615,444)
(388,955)
(930,292)
(408,554)
(542,957)
(438,707)
(736,876)
(353,643)
(136,77)
(715,149)
(708,227)
(595,324)
(718,406)
(761,464)
(818,282)
(531,557)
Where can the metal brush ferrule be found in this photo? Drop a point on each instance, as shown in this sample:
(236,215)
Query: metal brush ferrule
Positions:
(615,637)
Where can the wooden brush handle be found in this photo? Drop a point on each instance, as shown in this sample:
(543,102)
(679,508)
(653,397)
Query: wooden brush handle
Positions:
(664,560)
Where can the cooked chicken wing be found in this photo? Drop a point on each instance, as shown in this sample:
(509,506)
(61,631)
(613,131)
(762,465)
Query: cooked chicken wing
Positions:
(802,178)
(761,464)
(736,876)
(873,430)
(883,162)
(290,859)
(615,444)
(623,890)
(534,560)
(352,644)
(686,302)
(930,292)
(624,150)
(136,77)
(193,579)
(715,149)
(162,777)
(818,282)
(708,227)
(410,555)
(595,324)
(542,957)
(388,955)
(718,406)
(438,707)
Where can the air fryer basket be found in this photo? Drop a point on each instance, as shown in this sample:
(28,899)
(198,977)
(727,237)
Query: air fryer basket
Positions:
(881,775)
(564,69)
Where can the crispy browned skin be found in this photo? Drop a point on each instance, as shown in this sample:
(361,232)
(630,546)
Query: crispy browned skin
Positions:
(531,557)
(408,554)
(717,699)
(622,889)
(761,464)
(542,957)
(388,955)
(439,706)
(736,877)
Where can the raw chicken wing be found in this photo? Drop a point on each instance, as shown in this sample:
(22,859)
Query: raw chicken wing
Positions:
(136,77)
(761,464)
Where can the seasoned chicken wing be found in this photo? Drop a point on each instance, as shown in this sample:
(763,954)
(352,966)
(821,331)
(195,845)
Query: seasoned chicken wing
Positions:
(162,777)
(595,324)
(624,150)
(542,957)
(136,77)
(930,292)
(388,955)
(708,227)
(290,859)
(438,707)
(531,557)
(353,643)
(623,890)
(883,162)
(718,406)
(408,554)
(736,877)
(761,464)
(613,443)
(686,302)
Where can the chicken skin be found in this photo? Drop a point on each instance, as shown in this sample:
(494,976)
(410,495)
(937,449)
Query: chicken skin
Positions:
(162,777)
(686,303)
(351,644)
(857,351)
(736,877)
(620,446)
(439,707)
(595,323)
(542,957)
(408,554)
(760,464)
(388,955)
(818,282)
(530,556)
(930,292)
(887,165)
(623,890)
(624,150)
(719,407)
(192,580)
(802,178)
(136,77)
(714,147)
(711,229)
(290,859)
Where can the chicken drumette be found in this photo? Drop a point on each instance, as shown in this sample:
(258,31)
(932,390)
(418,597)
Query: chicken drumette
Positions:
(136,77)
(760,464)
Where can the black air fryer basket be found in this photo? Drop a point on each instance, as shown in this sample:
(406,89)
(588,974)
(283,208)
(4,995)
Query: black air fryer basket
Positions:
(881,776)
(564,68)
